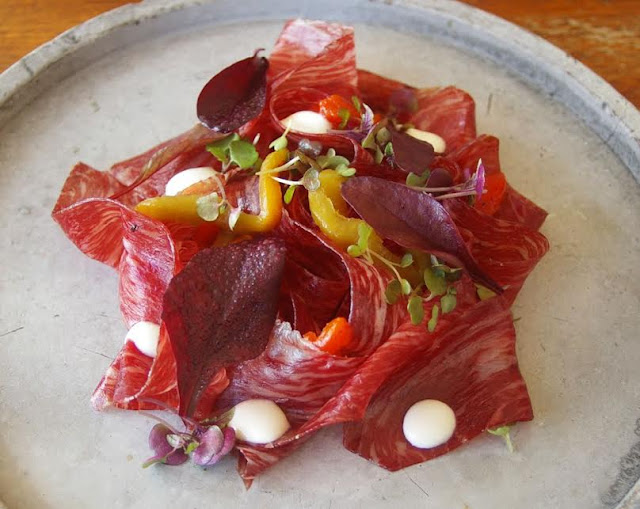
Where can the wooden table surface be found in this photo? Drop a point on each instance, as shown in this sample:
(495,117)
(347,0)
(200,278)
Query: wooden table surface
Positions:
(603,34)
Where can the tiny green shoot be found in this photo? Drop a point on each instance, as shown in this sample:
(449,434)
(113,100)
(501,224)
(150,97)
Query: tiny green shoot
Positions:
(435,312)
(415,309)
(505,433)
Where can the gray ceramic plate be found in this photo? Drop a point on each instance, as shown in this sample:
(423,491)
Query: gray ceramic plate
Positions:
(127,80)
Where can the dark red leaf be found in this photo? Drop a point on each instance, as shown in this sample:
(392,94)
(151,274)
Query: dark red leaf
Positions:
(439,178)
(220,310)
(414,220)
(411,154)
(235,95)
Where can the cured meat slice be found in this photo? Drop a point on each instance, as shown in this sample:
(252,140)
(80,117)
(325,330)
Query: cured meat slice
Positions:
(317,55)
(371,319)
(449,112)
(507,251)
(519,209)
(293,372)
(483,147)
(133,379)
(470,364)
(376,90)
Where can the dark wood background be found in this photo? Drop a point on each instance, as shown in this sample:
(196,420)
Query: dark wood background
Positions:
(602,34)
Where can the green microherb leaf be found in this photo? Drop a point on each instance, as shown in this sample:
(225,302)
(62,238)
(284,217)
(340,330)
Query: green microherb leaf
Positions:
(345,171)
(434,283)
(193,445)
(448,303)
(220,148)
(388,149)
(311,179)
(344,115)
(414,180)
(281,142)
(369,141)
(356,102)
(331,152)
(208,207)
(504,432)
(234,215)
(416,311)
(364,233)
(243,153)
(383,136)
(406,261)
(484,293)
(435,312)
(379,155)
(288,195)
(332,161)
(354,251)
(406,286)
(392,292)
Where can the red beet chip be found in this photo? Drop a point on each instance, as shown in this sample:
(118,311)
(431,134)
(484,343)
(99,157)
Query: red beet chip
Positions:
(235,95)
(220,309)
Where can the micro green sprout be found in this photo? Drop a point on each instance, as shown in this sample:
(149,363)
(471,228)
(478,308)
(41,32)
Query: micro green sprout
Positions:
(505,433)
(211,206)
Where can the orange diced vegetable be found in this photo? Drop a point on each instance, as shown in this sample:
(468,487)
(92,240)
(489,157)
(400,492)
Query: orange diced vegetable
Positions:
(495,186)
(334,338)
(333,109)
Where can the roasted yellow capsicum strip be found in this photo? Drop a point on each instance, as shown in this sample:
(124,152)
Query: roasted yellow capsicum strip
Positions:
(328,210)
(183,208)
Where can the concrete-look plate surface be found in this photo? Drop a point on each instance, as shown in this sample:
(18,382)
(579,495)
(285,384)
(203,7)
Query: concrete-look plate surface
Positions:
(127,80)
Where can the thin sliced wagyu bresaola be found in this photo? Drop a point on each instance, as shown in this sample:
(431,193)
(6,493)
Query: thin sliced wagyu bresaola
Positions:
(220,310)
(414,220)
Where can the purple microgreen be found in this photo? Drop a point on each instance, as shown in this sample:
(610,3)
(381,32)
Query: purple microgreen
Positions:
(204,311)
(448,302)
(310,148)
(433,321)
(392,292)
(288,195)
(366,122)
(439,178)
(213,445)
(344,115)
(414,220)
(410,154)
(416,310)
(403,101)
(235,95)
(414,180)
(164,452)
(406,261)
(505,433)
